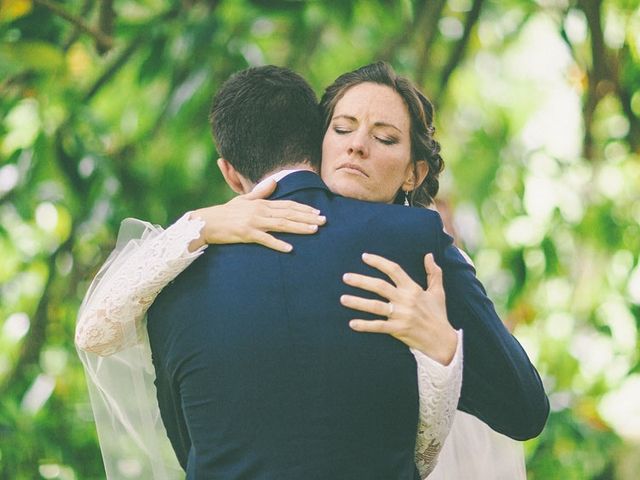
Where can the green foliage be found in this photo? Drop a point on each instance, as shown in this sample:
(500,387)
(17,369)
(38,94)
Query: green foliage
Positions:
(104,116)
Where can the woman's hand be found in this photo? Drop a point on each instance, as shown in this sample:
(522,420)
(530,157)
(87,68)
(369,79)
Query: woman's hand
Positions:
(247,219)
(415,316)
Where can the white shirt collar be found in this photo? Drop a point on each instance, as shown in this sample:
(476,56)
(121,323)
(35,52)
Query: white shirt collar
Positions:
(278,176)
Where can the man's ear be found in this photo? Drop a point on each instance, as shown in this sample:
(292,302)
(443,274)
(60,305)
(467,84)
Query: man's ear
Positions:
(231,176)
(416,176)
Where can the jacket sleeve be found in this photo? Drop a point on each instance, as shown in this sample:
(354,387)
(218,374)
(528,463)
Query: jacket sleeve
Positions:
(500,385)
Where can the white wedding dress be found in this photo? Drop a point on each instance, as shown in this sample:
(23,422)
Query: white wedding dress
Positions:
(113,345)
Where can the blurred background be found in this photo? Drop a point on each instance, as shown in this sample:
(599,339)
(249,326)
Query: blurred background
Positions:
(103,115)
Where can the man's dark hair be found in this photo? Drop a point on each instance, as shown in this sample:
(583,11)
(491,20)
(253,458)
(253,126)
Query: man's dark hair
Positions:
(265,118)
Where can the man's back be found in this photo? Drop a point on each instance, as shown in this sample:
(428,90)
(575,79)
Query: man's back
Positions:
(254,348)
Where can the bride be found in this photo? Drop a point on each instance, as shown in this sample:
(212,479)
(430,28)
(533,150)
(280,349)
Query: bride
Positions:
(111,331)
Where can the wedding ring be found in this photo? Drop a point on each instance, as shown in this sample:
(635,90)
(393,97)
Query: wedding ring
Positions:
(390,309)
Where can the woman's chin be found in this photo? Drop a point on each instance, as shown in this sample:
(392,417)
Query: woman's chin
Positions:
(350,189)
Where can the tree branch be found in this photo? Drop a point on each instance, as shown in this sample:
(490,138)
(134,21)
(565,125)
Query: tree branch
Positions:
(126,53)
(106,18)
(75,33)
(457,53)
(600,80)
(427,25)
(592,11)
(103,41)
(67,163)
(112,69)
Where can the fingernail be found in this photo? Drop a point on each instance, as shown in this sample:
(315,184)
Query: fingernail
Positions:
(322,218)
(316,211)
(346,277)
(365,255)
(289,248)
(313,228)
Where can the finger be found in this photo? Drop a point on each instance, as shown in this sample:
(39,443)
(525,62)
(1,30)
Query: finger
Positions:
(376,307)
(291,205)
(434,273)
(371,284)
(297,216)
(389,268)
(271,242)
(284,225)
(372,326)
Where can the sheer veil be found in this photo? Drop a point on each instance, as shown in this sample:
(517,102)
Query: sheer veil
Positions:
(132,438)
(473,451)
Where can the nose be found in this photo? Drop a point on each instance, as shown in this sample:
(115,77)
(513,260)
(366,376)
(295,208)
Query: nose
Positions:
(358,145)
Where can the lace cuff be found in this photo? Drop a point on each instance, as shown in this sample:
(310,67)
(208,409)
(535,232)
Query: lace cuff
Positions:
(112,314)
(439,387)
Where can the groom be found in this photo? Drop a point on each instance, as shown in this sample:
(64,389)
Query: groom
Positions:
(258,374)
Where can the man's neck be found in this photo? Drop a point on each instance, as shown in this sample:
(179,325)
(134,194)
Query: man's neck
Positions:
(287,168)
(281,172)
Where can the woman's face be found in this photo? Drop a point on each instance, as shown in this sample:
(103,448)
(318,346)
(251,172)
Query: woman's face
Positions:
(366,151)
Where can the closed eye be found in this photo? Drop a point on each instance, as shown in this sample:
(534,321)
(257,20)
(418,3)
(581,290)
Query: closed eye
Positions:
(387,141)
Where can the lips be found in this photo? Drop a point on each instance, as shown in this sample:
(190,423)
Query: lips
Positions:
(352,168)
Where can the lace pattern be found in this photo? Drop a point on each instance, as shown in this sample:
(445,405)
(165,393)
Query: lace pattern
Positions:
(439,388)
(121,298)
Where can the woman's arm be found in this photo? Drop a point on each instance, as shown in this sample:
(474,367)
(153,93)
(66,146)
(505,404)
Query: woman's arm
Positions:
(439,390)
(419,319)
(129,282)
(133,276)
(247,219)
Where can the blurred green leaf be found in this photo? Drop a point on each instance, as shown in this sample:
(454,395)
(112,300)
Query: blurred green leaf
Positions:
(36,55)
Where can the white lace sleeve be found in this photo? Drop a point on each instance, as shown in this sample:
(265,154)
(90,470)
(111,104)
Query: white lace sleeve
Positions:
(439,388)
(129,282)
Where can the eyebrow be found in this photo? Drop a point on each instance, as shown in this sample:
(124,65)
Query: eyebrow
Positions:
(377,124)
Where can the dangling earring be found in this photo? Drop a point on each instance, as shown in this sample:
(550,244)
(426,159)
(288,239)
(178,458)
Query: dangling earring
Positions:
(406,199)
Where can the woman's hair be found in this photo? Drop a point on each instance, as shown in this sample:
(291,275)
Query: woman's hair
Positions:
(423,145)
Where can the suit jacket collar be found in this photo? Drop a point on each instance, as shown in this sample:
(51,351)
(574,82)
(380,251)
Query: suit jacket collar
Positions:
(302,180)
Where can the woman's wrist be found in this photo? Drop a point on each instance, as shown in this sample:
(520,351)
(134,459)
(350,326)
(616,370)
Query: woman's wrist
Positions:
(442,346)
(201,241)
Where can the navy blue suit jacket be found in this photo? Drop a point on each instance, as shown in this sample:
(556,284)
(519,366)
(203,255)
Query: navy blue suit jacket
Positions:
(260,377)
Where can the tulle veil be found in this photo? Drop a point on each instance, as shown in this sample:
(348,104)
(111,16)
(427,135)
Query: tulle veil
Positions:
(473,451)
(133,440)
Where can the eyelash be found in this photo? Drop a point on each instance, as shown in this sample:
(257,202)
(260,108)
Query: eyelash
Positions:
(384,141)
